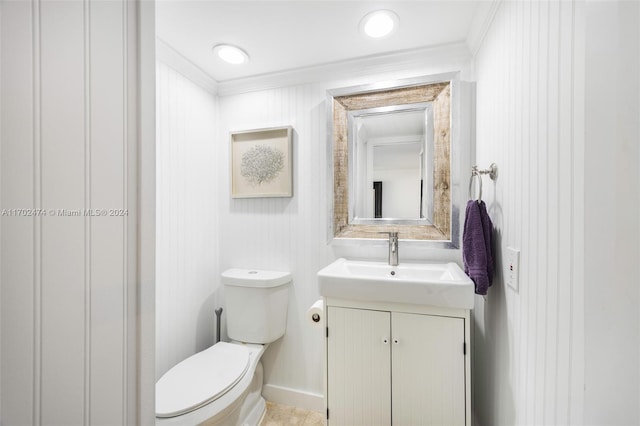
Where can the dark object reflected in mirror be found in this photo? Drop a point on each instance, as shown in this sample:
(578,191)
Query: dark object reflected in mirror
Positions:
(377,202)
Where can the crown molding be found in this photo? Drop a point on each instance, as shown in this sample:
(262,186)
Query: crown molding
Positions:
(481,23)
(455,55)
(452,56)
(171,57)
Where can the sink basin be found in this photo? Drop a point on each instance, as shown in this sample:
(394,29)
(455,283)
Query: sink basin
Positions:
(435,284)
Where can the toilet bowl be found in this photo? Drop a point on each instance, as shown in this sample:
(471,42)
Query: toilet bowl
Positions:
(222,385)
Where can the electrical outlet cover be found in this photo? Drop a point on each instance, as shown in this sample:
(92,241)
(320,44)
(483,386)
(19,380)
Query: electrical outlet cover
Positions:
(512,273)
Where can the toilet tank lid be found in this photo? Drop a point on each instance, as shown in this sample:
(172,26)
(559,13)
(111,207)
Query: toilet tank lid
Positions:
(254,278)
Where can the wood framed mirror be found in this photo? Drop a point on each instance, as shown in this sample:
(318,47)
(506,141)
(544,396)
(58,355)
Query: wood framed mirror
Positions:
(434,180)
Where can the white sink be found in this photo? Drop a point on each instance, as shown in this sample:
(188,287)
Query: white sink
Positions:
(435,284)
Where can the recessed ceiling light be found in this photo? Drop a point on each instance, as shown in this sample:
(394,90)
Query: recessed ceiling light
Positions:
(231,54)
(379,23)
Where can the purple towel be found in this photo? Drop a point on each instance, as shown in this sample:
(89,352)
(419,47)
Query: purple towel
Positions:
(477,253)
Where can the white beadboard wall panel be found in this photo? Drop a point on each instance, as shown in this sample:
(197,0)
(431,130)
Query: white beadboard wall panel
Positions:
(291,233)
(612,203)
(62,249)
(106,189)
(526,342)
(580,311)
(19,354)
(188,277)
(145,195)
(68,279)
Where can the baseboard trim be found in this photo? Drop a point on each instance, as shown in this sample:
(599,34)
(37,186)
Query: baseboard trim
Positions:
(293,397)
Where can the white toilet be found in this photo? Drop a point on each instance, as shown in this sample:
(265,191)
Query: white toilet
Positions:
(222,385)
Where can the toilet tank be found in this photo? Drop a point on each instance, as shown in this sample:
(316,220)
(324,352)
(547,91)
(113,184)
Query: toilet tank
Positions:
(256,304)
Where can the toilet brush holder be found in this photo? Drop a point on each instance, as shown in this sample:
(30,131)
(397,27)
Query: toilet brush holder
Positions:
(218,316)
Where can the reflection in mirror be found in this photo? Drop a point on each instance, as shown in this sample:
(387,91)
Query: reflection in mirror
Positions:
(392,151)
(391,173)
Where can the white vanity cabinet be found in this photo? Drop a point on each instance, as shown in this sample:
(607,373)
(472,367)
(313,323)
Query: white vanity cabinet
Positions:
(396,364)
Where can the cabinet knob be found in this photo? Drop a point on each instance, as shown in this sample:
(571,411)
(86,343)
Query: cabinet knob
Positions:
(396,341)
(385,340)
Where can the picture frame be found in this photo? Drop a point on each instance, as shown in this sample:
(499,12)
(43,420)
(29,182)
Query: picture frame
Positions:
(261,163)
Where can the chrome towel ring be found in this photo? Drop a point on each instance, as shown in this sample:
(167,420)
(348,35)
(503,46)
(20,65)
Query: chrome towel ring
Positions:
(492,171)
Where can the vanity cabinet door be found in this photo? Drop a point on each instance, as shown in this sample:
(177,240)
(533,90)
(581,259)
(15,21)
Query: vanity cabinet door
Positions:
(428,368)
(359,367)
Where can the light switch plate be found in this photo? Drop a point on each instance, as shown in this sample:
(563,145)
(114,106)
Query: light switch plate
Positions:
(513,268)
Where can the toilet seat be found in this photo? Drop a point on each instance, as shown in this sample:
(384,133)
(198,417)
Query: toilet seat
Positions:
(201,378)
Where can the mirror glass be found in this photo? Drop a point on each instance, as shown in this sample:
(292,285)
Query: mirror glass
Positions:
(392,163)
(392,149)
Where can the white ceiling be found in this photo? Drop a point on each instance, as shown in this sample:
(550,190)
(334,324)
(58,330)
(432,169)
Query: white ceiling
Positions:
(287,35)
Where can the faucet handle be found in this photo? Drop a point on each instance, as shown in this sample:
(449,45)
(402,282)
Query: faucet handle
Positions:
(393,247)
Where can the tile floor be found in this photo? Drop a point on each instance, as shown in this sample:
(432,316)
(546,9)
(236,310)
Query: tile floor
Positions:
(281,415)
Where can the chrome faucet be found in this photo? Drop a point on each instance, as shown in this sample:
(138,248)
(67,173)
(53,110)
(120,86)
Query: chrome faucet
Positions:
(393,248)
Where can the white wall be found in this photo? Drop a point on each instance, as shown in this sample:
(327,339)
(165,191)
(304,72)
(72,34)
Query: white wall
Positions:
(528,344)
(187,273)
(400,192)
(557,108)
(69,140)
(612,220)
(281,233)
